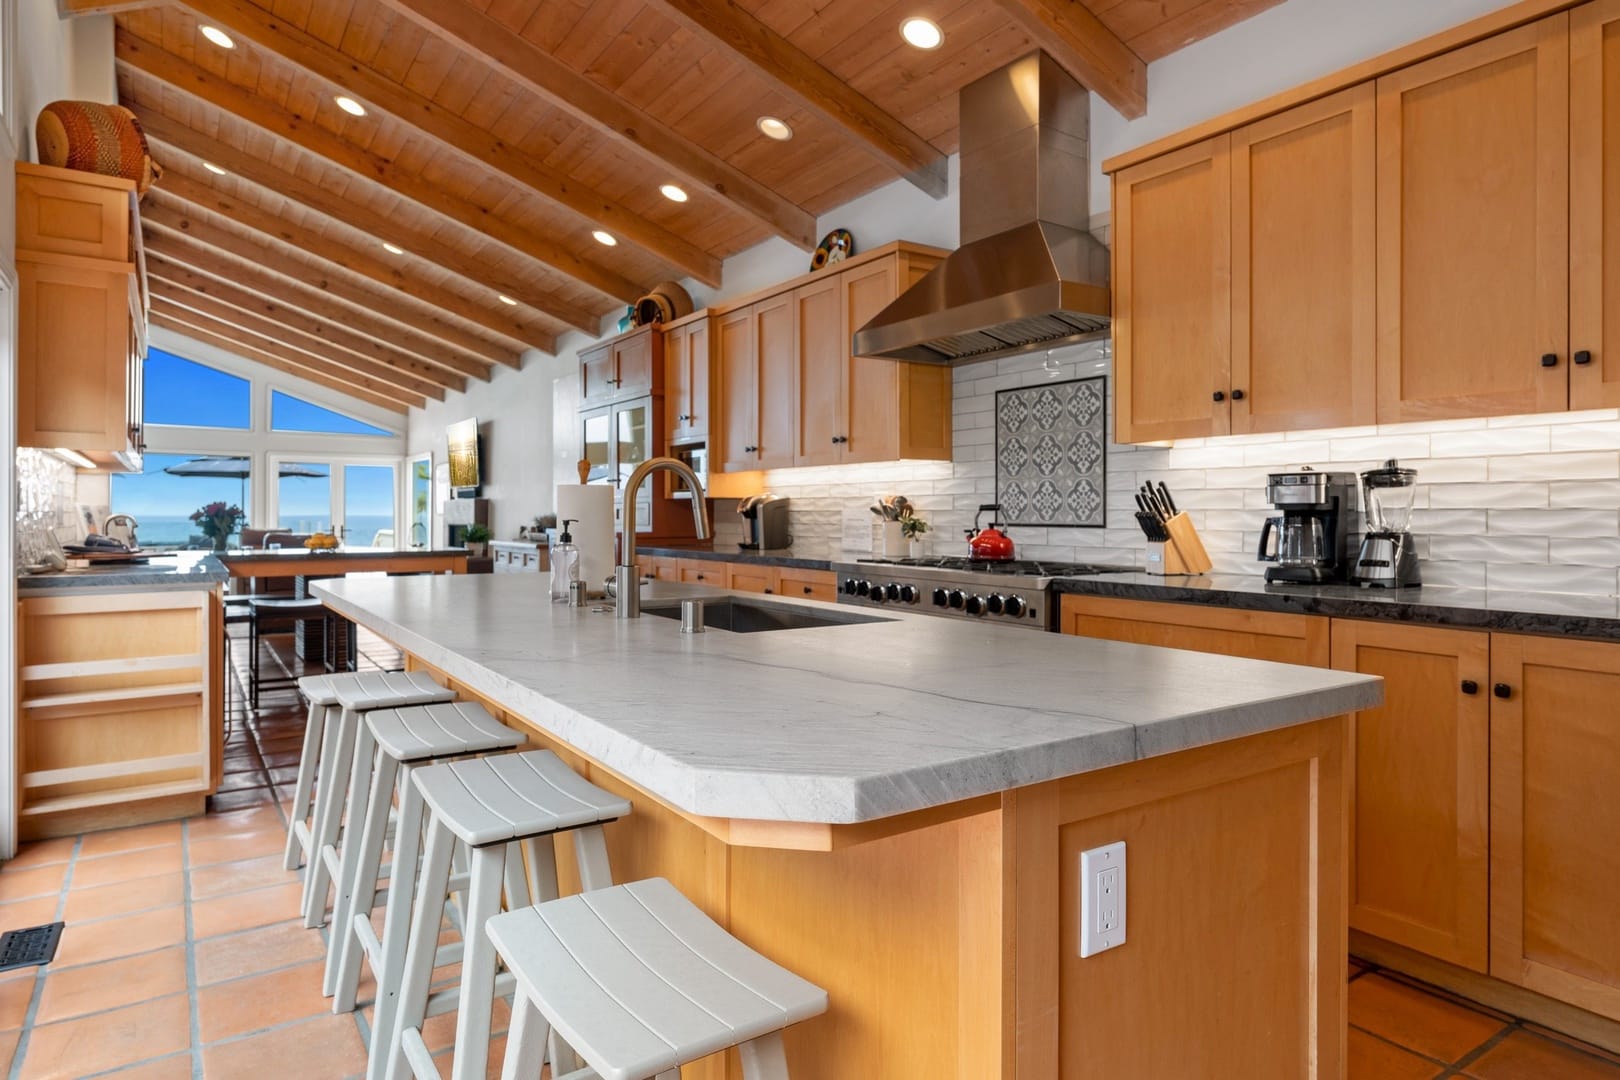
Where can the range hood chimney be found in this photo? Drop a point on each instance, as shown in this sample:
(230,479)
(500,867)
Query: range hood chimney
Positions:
(1028,274)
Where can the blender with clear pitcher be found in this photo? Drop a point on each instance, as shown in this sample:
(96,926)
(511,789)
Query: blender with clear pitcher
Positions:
(1388,558)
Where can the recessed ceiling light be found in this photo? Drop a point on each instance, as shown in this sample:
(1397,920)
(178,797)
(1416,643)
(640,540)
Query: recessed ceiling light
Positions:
(673,193)
(772,128)
(392,248)
(506,299)
(605,238)
(922,33)
(217,36)
(349,105)
(215,169)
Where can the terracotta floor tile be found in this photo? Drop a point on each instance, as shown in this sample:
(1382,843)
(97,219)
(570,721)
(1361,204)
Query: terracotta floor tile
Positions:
(43,853)
(8,1048)
(497,1051)
(173,1067)
(245,1006)
(1524,1056)
(439,1033)
(118,841)
(125,898)
(115,869)
(126,935)
(329,1046)
(241,800)
(1422,1022)
(35,912)
(242,781)
(236,823)
(235,848)
(16,991)
(105,1041)
(243,911)
(111,984)
(221,879)
(1372,1058)
(1569,1040)
(24,883)
(254,951)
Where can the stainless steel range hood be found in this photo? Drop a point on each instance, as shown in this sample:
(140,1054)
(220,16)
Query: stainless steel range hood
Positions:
(1028,274)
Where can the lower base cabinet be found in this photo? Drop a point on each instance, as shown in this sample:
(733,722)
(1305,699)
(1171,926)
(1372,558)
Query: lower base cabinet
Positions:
(751,577)
(1257,635)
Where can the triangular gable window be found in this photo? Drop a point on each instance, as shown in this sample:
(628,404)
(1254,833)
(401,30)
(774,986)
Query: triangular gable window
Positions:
(288,413)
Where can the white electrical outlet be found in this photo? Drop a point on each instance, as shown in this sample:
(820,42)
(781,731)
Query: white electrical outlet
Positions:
(1102,898)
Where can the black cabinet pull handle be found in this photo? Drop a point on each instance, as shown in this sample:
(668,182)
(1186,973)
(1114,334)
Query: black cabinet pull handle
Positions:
(807,590)
(1583,357)
(769,591)
(1502,690)
(1469,686)
(1220,395)
(1237,395)
(835,440)
(1549,359)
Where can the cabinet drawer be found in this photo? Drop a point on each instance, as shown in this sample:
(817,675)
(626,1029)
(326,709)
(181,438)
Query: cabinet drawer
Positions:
(702,572)
(808,584)
(751,577)
(1258,635)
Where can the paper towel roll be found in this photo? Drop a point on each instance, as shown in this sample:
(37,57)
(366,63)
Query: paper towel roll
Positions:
(591,507)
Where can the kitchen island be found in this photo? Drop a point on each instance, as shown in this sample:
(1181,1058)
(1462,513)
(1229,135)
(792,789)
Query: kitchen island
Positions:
(895,808)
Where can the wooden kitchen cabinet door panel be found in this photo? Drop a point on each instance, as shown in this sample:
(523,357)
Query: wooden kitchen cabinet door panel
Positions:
(702,572)
(73,356)
(634,362)
(1304,255)
(820,402)
(1173,294)
(1594,187)
(596,377)
(1419,804)
(1473,229)
(737,425)
(750,577)
(876,425)
(774,344)
(1555,819)
(1257,635)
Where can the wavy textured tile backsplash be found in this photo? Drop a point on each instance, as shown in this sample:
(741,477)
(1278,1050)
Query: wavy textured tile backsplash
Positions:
(1519,503)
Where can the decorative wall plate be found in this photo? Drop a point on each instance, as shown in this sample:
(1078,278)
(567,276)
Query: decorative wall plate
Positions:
(836,246)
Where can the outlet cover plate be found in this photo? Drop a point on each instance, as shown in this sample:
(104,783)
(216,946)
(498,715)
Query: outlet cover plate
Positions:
(1102,898)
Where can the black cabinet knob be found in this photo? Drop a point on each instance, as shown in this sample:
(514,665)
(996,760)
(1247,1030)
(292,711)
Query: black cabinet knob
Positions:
(1220,395)
(808,590)
(1583,357)
(1237,395)
(1469,686)
(1549,359)
(1502,690)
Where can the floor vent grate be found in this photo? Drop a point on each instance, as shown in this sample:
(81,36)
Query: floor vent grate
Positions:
(33,946)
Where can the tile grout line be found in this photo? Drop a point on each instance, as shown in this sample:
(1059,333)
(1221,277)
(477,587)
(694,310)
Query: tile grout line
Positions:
(191,954)
(43,970)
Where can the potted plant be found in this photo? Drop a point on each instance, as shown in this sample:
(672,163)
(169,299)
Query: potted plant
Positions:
(476,540)
(218,521)
(912,527)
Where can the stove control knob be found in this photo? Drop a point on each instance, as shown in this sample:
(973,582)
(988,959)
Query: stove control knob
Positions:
(1013,606)
(863,588)
(994,603)
(908,594)
(849,586)
(891,591)
(975,605)
(956,597)
(941,597)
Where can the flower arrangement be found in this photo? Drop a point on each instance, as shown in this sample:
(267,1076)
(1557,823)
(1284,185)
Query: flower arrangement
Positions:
(218,521)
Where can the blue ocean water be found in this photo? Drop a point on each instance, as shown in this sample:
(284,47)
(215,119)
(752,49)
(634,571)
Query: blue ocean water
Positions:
(179,532)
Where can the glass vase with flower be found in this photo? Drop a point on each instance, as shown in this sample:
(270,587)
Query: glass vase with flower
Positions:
(218,520)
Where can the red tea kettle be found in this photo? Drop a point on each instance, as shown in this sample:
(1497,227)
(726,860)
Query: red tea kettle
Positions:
(988,545)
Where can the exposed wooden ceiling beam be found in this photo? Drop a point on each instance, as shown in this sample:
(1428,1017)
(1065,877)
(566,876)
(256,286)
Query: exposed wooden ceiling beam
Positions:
(235,341)
(157,63)
(418,243)
(187,261)
(478,145)
(334,336)
(176,185)
(794,72)
(1087,49)
(67,9)
(534,68)
(320,353)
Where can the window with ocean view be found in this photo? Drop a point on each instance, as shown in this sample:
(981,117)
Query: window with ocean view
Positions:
(162,497)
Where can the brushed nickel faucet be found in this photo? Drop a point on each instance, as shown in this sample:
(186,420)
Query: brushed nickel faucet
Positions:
(626,580)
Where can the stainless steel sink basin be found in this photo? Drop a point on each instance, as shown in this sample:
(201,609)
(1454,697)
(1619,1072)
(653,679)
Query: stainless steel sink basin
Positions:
(755,616)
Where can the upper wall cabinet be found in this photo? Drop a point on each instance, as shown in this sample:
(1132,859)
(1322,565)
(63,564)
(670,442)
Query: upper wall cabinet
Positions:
(686,381)
(1594,208)
(1473,229)
(627,366)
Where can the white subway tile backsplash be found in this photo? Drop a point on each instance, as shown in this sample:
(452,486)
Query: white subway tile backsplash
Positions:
(1488,496)
(1600,436)
(1455,471)
(1379,448)
(1490,549)
(1286,454)
(1482,442)
(1592,465)
(1586,550)
(1463,575)
(1593,580)
(1554,522)
(1594,494)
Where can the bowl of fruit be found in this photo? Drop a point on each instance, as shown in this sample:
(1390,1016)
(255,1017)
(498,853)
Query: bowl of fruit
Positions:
(321,542)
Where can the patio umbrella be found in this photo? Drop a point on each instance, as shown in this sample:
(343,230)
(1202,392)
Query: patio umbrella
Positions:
(238,467)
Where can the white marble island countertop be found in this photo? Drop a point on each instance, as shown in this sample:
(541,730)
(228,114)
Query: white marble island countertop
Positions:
(835,724)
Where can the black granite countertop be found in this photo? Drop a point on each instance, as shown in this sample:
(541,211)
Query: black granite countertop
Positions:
(797,557)
(1559,614)
(179,570)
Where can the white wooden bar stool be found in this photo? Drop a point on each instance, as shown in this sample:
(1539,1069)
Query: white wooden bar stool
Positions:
(357,693)
(639,982)
(322,697)
(405,741)
(489,804)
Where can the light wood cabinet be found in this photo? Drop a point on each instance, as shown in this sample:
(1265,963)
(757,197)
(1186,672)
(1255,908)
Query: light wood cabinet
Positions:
(1473,229)
(808,584)
(1594,208)
(630,365)
(1555,816)
(895,410)
(821,383)
(750,577)
(701,572)
(660,567)
(1420,768)
(755,357)
(737,382)
(1257,635)
(686,382)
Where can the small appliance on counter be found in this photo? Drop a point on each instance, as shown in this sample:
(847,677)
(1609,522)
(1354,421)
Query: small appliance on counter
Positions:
(1310,546)
(990,544)
(1174,547)
(1388,558)
(767,518)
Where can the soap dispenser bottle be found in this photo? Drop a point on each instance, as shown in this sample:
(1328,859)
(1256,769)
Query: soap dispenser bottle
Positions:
(564,563)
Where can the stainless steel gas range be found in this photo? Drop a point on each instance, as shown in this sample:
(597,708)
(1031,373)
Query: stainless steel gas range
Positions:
(1015,594)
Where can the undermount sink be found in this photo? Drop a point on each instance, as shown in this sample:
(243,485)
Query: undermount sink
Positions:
(756,616)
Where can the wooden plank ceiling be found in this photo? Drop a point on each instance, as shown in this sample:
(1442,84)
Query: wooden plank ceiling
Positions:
(500,135)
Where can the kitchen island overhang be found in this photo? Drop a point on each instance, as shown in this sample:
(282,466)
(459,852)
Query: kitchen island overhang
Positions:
(895,810)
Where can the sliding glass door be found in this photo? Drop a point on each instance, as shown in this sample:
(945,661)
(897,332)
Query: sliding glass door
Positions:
(358,497)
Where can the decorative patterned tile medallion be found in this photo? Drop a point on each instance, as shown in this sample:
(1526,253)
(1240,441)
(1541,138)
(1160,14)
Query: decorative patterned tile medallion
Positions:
(1051,453)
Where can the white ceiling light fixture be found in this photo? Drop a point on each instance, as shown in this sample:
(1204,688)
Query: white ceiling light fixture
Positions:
(772,128)
(503,298)
(673,192)
(921,33)
(349,105)
(605,238)
(392,248)
(215,169)
(217,36)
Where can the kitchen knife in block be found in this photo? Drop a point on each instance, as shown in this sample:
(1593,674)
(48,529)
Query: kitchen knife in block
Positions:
(1188,547)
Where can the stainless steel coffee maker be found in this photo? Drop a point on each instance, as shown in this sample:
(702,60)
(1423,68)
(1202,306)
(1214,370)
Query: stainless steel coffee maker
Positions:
(1309,545)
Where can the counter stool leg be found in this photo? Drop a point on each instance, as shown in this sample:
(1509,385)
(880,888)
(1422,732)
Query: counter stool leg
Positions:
(542,860)
(590,849)
(478,965)
(763,1058)
(525,1041)
(313,727)
(328,815)
(387,1053)
(355,901)
(345,900)
(396,915)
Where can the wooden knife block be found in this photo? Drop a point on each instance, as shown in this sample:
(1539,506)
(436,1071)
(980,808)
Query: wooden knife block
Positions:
(1182,554)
